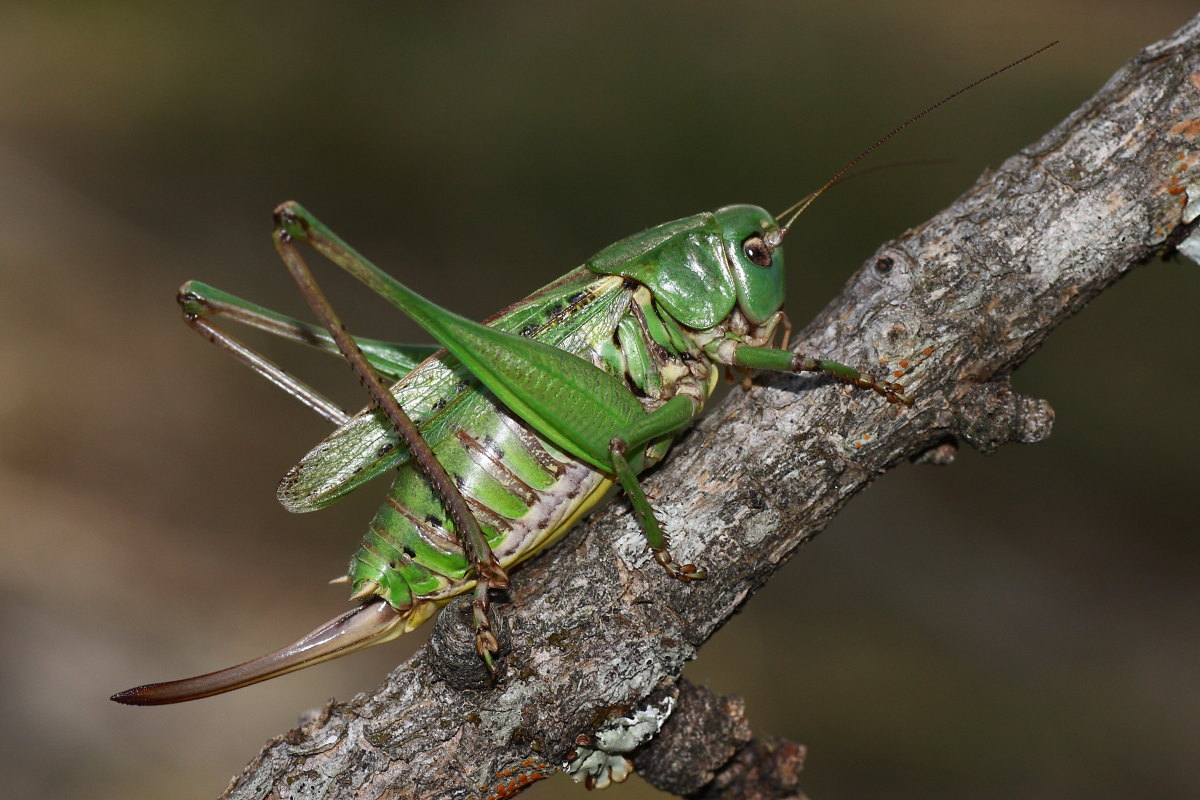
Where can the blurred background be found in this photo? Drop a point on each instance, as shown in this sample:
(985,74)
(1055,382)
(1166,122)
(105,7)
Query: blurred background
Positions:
(1021,625)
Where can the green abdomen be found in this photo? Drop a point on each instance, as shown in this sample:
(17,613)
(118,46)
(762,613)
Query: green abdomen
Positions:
(523,491)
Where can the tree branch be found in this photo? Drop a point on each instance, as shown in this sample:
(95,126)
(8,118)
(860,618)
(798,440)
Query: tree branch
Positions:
(596,628)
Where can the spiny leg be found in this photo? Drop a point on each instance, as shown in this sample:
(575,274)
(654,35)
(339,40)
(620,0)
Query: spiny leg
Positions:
(488,572)
(891,391)
(770,358)
(655,538)
(202,303)
(393,360)
(195,315)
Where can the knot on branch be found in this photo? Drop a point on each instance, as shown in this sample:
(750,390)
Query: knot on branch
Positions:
(991,414)
(695,742)
(765,769)
(452,646)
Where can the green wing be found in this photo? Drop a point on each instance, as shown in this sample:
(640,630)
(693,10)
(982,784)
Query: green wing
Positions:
(577,313)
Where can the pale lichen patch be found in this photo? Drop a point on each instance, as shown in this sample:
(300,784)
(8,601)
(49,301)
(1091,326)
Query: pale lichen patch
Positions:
(602,760)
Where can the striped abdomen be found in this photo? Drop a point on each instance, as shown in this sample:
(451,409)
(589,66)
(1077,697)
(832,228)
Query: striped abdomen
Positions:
(524,493)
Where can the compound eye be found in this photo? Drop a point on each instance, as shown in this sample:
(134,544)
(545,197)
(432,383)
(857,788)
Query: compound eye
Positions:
(756,251)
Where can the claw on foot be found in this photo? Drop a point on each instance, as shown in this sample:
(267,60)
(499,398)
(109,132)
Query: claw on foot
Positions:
(486,643)
(685,573)
(890,390)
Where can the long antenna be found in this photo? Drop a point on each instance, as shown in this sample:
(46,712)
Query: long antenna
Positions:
(798,209)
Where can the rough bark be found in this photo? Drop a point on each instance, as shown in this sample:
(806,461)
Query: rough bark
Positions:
(596,626)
